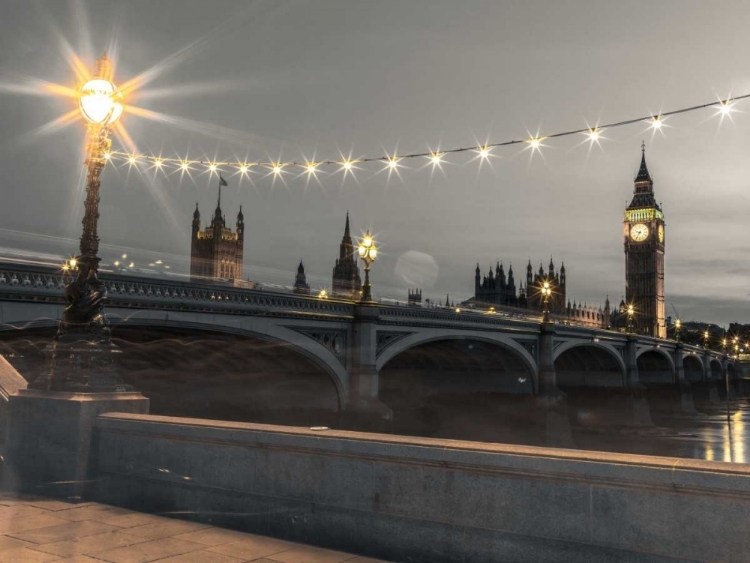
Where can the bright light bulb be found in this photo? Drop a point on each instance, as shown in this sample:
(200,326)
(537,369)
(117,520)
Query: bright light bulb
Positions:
(100,102)
(348,165)
(132,160)
(393,163)
(458,310)
(594,135)
(367,241)
(725,108)
(535,143)
(131,265)
(212,167)
(107,155)
(158,163)
(73,262)
(117,262)
(185,165)
(124,256)
(311,167)
(373,252)
(657,122)
(277,169)
(436,158)
(484,153)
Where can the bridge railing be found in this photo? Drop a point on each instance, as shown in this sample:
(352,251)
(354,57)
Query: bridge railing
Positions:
(43,283)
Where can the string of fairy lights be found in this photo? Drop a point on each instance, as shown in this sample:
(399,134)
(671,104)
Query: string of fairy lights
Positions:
(394,161)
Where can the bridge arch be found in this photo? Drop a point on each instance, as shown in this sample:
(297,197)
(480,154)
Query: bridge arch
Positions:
(271,333)
(590,364)
(655,365)
(502,341)
(693,367)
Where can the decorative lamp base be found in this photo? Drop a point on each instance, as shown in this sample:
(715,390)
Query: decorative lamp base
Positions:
(77,365)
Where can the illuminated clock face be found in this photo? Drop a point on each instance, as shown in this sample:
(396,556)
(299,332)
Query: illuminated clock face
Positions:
(661,233)
(639,232)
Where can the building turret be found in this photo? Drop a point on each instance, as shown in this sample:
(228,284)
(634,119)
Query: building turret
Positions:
(300,281)
(551,273)
(477,280)
(529,276)
(196,219)
(346,280)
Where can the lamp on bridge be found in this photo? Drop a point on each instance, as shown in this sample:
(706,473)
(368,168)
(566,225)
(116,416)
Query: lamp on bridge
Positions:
(677,329)
(631,315)
(82,353)
(368,251)
(706,336)
(546,294)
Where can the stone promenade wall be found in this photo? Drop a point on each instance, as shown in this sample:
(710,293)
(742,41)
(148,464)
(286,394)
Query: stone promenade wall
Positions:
(427,500)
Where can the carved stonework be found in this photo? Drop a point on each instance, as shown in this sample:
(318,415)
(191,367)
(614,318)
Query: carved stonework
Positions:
(333,340)
(529,345)
(388,337)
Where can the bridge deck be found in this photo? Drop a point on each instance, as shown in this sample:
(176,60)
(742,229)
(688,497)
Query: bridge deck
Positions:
(35,529)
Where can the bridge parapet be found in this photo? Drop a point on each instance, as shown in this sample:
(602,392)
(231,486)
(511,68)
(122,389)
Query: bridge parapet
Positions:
(40,283)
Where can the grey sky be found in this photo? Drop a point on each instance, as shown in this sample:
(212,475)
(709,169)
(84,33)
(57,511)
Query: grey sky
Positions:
(310,79)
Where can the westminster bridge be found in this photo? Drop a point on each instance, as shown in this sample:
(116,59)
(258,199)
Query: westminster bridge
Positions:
(196,352)
(358,346)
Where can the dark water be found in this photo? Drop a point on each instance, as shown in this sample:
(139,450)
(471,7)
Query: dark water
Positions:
(256,382)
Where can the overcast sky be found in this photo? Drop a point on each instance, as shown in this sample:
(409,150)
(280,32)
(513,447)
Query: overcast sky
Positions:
(295,80)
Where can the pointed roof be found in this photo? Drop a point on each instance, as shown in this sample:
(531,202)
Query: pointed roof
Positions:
(301,268)
(346,229)
(241,217)
(643,175)
(196,213)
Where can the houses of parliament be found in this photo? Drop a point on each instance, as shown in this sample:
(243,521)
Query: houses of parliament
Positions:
(217,254)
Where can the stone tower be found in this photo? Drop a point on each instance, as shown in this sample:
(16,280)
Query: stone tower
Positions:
(216,253)
(346,281)
(644,255)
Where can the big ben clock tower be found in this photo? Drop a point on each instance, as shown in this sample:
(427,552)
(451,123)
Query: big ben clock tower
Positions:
(644,255)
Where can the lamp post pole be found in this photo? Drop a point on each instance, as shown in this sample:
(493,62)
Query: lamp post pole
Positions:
(631,314)
(82,354)
(546,293)
(368,251)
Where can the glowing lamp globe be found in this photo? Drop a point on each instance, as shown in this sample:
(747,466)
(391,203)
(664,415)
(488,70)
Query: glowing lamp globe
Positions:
(100,102)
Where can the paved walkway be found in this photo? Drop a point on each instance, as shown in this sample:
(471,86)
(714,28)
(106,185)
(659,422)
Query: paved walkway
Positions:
(37,530)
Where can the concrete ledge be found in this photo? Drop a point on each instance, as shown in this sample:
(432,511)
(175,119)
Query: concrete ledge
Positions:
(422,499)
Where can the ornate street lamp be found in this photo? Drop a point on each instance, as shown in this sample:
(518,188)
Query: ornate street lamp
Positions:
(631,314)
(82,354)
(706,336)
(677,329)
(368,251)
(546,294)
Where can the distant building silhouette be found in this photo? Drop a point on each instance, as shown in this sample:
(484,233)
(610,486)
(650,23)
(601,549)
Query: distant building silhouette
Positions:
(300,282)
(346,280)
(415,297)
(216,252)
(495,290)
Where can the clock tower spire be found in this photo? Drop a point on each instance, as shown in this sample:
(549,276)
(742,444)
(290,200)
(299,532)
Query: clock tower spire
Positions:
(644,255)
